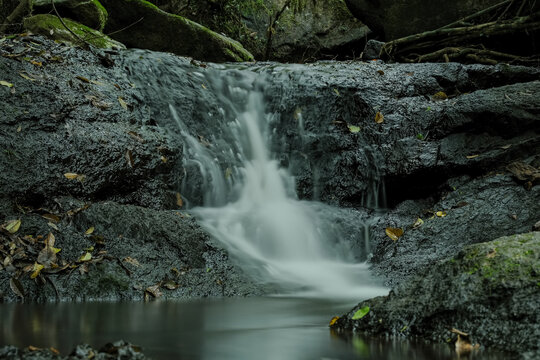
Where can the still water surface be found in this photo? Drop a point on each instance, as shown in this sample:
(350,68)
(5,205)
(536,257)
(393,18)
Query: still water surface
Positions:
(253,328)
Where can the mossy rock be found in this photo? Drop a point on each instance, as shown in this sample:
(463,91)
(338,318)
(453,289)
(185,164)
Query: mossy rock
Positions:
(490,290)
(88,12)
(50,26)
(154,29)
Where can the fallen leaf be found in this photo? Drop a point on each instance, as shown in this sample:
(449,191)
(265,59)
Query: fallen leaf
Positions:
(89,231)
(506,147)
(86,257)
(36,270)
(154,291)
(360,313)
(122,103)
(24,76)
(5,83)
(136,136)
(71,176)
(441,213)
(336,91)
(164,159)
(472,156)
(419,222)
(171,285)
(379,118)
(54,351)
(491,254)
(204,87)
(353,128)
(12,226)
(334,320)
(16,287)
(50,240)
(129,158)
(19,129)
(132,261)
(228,173)
(380,72)
(51,217)
(179,201)
(83,79)
(394,233)
(33,348)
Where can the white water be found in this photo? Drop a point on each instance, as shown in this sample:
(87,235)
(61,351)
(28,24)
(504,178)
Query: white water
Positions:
(252,210)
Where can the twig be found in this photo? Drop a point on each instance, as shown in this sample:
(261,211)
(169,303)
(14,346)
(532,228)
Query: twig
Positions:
(521,7)
(68,29)
(472,16)
(506,10)
(117,31)
(54,287)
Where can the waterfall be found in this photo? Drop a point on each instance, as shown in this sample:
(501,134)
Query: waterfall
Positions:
(250,206)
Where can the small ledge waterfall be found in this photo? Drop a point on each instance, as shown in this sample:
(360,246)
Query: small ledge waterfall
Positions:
(251,208)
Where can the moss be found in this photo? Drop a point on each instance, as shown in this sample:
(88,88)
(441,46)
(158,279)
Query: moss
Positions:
(161,31)
(50,26)
(90,12)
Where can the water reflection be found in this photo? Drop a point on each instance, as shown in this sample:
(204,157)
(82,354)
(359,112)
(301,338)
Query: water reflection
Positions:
(263,328)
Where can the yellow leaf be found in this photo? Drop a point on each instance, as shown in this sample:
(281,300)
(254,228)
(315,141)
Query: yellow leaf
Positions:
(51,217)
(419,222)
(336,91)
(354,129)
(36,270)
(55,250)
(37,63)
(379,118)
(86,257)
(228,173)
(122,103)
(164,159)
(441,213)
(132,261)
(394,233)
(472,156)
(71,176)
(179,201)
(334,320)
(13,226)
(83,79)
(89,231)
(24,76)
(5,83)
(204,87)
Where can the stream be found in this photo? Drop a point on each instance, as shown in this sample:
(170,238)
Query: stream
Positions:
(262,328)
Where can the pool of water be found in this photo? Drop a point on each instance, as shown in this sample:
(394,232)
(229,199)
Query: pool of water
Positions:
(253,328)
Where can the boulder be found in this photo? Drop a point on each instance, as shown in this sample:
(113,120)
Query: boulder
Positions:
(489,291)
(320,30)
(154,29)
(393,19)
(87,12)
(52,27)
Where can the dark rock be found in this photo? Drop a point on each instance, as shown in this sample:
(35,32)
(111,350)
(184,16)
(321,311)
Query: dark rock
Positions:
(372,50)
(394,19)
(489,290)
(154,29)
(87,12)
(117,350)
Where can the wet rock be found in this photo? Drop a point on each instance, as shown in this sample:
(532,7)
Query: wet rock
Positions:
(117,350)
(488,290)
(87,12)
(52,27)
(154,29)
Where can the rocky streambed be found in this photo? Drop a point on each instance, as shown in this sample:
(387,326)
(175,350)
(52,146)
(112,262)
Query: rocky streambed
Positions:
(91,165)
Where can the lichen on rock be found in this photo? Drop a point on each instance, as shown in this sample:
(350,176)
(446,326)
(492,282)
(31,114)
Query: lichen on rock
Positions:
(88,12)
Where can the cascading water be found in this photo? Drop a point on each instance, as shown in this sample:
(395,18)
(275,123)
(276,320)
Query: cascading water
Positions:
(251,206)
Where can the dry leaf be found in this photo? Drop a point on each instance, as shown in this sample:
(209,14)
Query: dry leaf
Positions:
(24,76)
(71,176)
(36,63)
(491,254)
(379,118)
(179,201)
(394,233)
(171,285)
(334,320)
(33,348)
(129,158)
(16,287)
(50,240)
(122,103)
(441,95)
(51,217)
(154,290)
(86,257)
(89,231)
(83,79)
(12,226)
(380,72)
(472,156)
(505,147)
(164,159)
(228,173)
(136,136)
(132,261)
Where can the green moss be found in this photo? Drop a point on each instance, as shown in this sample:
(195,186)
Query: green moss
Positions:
(50,26)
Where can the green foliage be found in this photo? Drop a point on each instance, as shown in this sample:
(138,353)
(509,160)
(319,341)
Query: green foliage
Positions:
(360,313)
